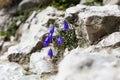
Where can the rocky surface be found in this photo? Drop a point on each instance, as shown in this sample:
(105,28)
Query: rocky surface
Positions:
(10,71)
(112,40)
(5,19)
(25,4)
(40,62)
(111,2)
(90,64)
(97,59)
(93,20)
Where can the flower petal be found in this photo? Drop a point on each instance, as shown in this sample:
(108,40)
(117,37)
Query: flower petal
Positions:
(50,53)
(46,44)
(51,30)
(50,37)
(66,26)
(60,40)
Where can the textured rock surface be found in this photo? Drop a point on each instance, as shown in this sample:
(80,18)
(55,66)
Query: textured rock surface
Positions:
(25,4)
(96,21)
(31,77)
(89,64)
(40,62)
(111,2)
(5,19)
(83,1)
(10,71)
(111,40)
(14,71)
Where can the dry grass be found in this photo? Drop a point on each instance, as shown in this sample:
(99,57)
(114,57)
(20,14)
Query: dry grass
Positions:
(5,3)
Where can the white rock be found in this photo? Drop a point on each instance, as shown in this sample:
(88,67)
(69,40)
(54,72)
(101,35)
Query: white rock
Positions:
(111,2)
(26,4)
(30,77)
(10,71)
(31,17)
(5,19)
(4,76)
(111,40)
(40,62)
(89,65)
(93,21)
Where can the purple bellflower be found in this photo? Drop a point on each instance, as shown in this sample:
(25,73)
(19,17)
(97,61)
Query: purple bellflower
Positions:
(50,53)
(50,37)
(47,39)
(51,30)
(60,40)
(66,26)
(46,42)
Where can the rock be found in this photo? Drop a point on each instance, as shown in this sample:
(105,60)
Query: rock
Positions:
(6,45)
(25,4)
(112,40)
(40,62)
(83,1)
(13,71)
(5,19)
(97,26)
(10,71)
(1,42)
(99,65)
(30,77)
(18,58)
(94,22)
(23,58)
(111,2)
(91,2)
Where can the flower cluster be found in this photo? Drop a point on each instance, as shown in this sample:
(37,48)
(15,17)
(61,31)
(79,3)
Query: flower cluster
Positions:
(49,38)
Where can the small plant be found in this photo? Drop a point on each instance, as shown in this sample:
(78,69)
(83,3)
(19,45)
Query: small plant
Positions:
(66,38)
(69,39)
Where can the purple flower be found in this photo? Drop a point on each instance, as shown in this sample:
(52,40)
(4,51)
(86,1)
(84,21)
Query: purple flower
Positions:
(51,30)
(46,42)
(60,40)
(50,37)
(47,39)
(66,26)
(50,53)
